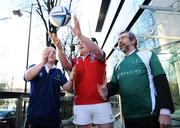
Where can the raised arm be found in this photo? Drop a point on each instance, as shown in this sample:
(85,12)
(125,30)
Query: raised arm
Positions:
(90,44)
(66,64)
(33,71)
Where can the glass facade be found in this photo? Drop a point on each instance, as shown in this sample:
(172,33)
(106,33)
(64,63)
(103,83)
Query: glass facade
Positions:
(166,45)
(170,58)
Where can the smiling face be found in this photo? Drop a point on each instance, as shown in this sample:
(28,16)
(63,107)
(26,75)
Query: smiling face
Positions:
(82,48)
(51,55)
(127,42)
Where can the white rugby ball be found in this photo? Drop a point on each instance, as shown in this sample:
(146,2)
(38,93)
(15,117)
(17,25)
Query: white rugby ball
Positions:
(59,16)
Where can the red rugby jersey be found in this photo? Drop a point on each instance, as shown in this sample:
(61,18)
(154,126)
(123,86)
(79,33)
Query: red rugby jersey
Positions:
(90,73)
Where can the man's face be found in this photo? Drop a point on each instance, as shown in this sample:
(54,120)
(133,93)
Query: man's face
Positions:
(124,42)
(83,49)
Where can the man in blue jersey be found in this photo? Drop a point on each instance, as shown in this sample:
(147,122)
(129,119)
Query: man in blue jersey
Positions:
(142,84)
(44,103)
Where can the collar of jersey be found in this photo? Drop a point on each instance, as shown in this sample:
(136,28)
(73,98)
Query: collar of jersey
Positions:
(131,52)
(86,55)
(47,68)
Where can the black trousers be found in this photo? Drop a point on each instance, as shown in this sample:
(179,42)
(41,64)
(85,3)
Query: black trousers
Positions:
(30,125)
(145,122)
(38,126)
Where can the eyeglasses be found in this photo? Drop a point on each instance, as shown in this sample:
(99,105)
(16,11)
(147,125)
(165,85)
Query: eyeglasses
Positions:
(123,37)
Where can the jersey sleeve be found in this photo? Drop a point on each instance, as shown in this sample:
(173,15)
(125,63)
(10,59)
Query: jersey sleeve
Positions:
(155,64)
(36,77)
(113,86)
(63,79)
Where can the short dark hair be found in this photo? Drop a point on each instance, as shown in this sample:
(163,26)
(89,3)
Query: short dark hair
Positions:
(131,36)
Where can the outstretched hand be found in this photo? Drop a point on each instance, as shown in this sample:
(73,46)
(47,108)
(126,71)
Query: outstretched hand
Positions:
(56,41)
(45,55)
(76,29)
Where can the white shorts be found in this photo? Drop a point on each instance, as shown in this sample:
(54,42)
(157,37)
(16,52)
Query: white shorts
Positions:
(95,113)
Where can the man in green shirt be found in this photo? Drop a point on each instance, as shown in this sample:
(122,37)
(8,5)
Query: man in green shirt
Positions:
(142,84)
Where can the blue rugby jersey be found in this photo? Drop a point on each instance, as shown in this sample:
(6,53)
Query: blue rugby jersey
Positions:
(44,103)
